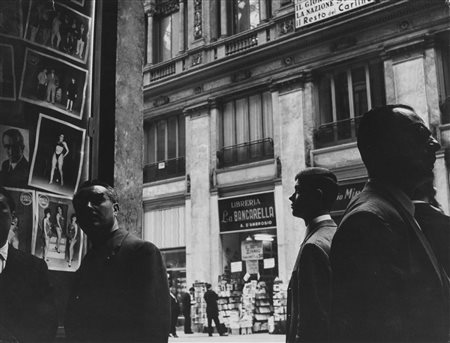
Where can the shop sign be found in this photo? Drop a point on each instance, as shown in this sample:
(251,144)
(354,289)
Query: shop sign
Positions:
(252,267)
(252,250)
(247,212)
(345,194)
(312,11)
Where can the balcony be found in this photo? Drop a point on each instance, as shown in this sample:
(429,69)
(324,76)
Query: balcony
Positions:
(245,153)
(338,132)
(164,169)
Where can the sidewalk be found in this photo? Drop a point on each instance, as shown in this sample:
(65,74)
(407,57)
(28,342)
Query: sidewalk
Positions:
(203,337)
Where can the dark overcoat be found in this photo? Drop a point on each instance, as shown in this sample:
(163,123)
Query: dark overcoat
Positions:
(27,304)
(309,291)
(387,284)
(436,227)
(120,294)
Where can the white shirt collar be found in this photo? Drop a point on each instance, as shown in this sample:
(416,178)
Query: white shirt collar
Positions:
(319,219)
(4,251)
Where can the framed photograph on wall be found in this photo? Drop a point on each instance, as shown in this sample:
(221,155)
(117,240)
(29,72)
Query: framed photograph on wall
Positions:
(14,156)
(58,156)
(11,18)
(7,76)
(22,223)
(53,83)
(57,236)
(59,28)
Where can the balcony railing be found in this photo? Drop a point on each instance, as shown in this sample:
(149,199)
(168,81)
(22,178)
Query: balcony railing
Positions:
(342,131)
(241,44)
(164,169)
(246,152)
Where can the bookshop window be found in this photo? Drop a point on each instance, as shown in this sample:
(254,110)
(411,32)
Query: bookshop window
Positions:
(164,148)
(175,262)
(343,96)
(247,14)
(444,77)
(166,33)
(245,129)
(237,248)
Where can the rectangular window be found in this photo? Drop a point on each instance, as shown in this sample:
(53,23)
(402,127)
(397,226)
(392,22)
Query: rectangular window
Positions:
(164,148)
(443,68)
(246,130)
(344,95)
(166,32)
(248,14)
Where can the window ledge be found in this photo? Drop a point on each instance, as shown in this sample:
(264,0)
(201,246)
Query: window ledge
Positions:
(248,165)
(162,182)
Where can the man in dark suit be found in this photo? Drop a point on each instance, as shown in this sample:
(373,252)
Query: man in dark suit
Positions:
(186,306)
(15,169)
(120,291)
(309,292)
(387,283)
(212,310)
(174,311)
(433,221)
(27,305)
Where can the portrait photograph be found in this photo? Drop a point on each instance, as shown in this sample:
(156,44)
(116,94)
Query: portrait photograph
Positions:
(7,77)
(11,18)
(59,28)
(57,236)
(22,221)
(57,158)
(14,156)
(53,83)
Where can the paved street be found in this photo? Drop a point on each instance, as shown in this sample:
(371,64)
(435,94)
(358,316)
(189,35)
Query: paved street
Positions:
(203,337)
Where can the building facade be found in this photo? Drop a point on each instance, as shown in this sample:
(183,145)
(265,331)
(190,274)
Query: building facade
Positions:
(240,95)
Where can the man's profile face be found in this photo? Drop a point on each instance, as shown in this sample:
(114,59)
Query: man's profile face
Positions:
(301,201)
(5,219)
(95,211)
(13,148)
(414,146)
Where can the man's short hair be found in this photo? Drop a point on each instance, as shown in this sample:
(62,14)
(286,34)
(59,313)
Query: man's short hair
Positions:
(110,191)
(320,178)
(16,136)
(9,198)
(374,133)
(191,289)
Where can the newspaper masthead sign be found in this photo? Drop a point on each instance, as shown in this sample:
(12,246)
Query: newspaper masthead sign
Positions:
(312,11)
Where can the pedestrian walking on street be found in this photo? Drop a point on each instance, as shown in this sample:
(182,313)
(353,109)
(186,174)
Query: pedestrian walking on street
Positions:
(309,291)
(174,312)
(186,302)
(212,310)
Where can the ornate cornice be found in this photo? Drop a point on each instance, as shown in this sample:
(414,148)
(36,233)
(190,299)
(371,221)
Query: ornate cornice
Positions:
(161,9)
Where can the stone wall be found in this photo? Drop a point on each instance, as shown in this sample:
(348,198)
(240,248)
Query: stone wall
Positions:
(129,135)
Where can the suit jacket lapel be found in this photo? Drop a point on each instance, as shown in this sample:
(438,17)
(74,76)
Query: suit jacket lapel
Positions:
(419,234)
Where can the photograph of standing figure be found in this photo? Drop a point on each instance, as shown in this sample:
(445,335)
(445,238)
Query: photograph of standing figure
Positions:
(57,242)
(11,24)
(53,83)
(58,28)
(61,151)
(22,221)
(72,236)
(57,160)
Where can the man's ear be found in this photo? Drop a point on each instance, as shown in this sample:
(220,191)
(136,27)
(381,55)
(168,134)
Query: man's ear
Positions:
(116,208)
(318,195)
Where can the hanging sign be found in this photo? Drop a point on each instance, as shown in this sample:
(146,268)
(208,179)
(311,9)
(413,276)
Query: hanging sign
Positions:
(247,212)
(308,12)
(252,250)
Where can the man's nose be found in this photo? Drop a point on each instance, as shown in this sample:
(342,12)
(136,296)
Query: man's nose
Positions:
(291,198)
(434,144)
